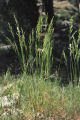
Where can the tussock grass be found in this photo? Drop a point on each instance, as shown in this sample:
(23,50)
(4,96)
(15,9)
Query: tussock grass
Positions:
(73,58)
(37,51)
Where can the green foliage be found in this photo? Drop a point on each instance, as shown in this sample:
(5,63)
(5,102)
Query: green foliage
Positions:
(40,47)
(45,50)
(72,60)
(22,43)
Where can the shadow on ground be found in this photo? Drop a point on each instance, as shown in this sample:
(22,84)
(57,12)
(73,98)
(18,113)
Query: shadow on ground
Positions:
(8,60)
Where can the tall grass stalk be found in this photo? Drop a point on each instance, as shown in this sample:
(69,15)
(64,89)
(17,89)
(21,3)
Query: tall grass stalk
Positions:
(45,50)
(39,51)
(19,45)
(72,61)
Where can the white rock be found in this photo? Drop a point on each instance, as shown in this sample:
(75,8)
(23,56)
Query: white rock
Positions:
(6,102)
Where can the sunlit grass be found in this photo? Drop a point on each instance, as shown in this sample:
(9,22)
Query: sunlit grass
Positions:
(40,99)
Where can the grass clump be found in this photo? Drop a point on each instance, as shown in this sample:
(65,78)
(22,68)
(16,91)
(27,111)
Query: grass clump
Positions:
(38,51)
(19,45)
(73,58)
